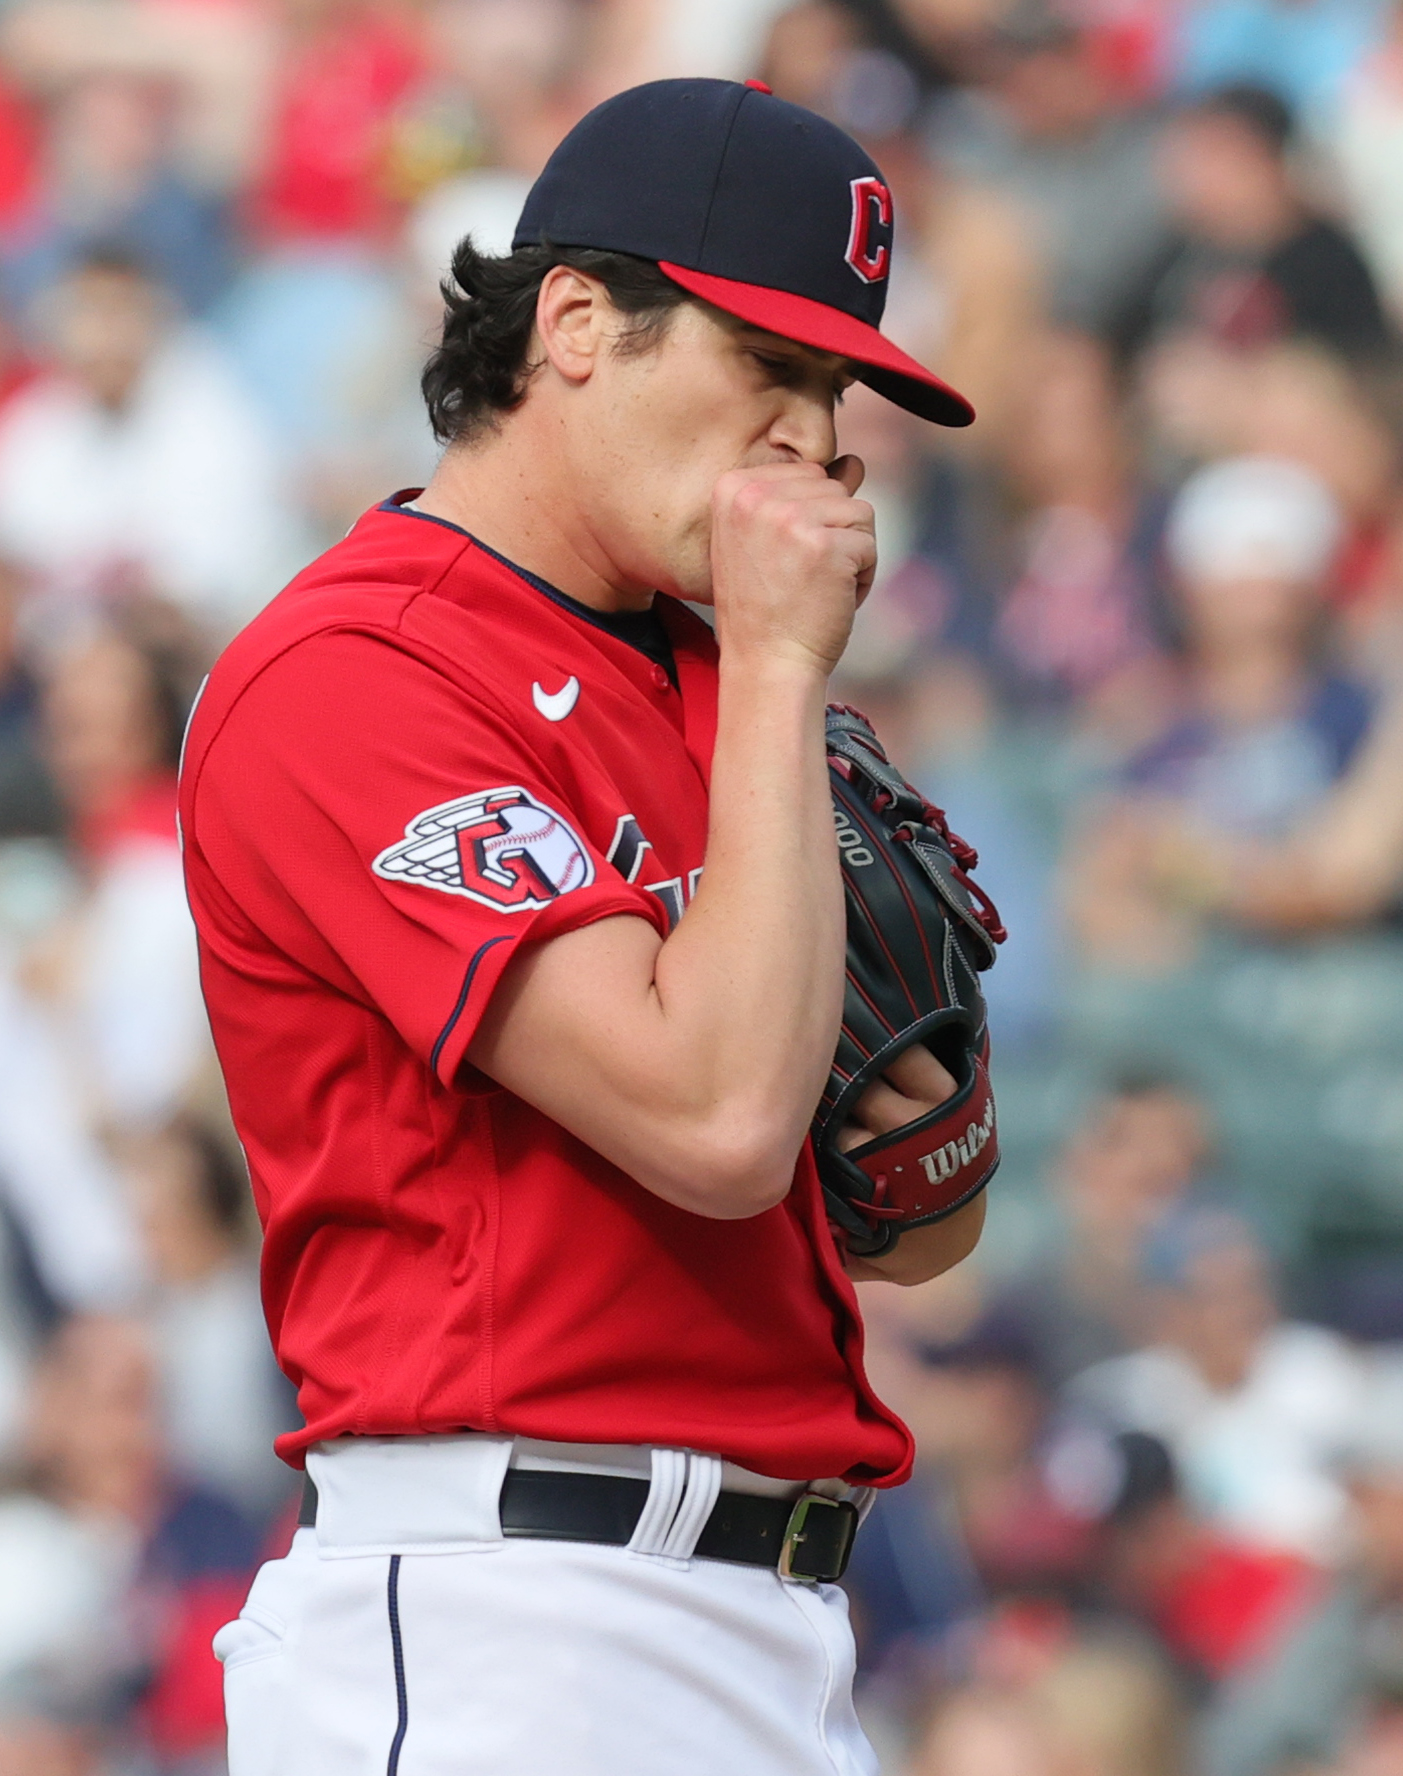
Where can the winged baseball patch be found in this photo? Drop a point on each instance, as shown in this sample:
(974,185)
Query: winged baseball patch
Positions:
(500,847)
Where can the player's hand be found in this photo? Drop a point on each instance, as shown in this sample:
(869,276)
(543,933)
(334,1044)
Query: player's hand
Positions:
(913,1085)
(792,556)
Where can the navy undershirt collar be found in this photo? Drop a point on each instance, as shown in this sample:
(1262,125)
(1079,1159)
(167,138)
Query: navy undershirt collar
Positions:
(643,630)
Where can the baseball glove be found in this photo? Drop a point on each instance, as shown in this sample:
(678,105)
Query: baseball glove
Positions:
(919,934)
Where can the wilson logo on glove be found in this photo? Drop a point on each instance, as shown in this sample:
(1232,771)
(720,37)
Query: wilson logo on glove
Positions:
(500,847)
(920,931)
(947,1160)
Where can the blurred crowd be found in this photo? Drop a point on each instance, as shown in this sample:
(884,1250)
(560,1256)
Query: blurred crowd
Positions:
(1156,1527)
(1140,630)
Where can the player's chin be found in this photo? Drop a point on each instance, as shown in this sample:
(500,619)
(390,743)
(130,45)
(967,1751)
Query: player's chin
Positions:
(689,577)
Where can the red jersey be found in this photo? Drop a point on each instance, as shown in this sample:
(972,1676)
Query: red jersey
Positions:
(415,759)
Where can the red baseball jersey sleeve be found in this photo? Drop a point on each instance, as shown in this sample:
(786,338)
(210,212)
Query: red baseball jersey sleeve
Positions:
(419,928)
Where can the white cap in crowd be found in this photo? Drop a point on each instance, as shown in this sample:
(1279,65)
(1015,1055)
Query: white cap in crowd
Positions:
(484,203)
(1253,517)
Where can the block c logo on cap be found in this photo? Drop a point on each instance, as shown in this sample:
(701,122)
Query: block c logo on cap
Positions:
(872,210)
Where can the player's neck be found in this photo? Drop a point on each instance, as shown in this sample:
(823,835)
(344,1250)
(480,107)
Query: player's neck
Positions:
(511,495)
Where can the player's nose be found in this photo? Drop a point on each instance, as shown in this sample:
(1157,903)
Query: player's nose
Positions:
(805,430)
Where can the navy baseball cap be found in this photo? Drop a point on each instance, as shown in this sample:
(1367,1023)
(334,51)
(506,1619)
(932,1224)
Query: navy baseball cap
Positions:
(755,205)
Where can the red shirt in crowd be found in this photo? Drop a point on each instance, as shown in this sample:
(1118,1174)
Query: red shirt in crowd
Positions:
(416,759)
(145,810)
(329,138)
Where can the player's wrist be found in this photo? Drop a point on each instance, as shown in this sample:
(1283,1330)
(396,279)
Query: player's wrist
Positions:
(776,665)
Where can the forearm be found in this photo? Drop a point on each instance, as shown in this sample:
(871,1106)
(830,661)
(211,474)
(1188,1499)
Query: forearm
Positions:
(695,1063)
(749,987)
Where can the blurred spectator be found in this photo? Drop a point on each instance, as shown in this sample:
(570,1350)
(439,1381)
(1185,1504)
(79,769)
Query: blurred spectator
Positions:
(1301,50)
(973,1732)
(344,69)
(111,182)
(223,1397)
(57,1185)
(174,1561)
(1050,1665)
(635,40)
(1365,131)
(515,66)
(1359,1635)
(1326,1682)
(1058,1699)
(808,50)
(1302,402)
(912,1578)
(1227,1613)
(1345,865)
(980,1412)
(46,1748)
(1262,728)
(138,465)
(972,302)
(1137,1155)
(980,1518)
(211,66)
(1051,133)
(1078,614)
(1251,262)
(1201,399)
(121,972)
(330,344)
(67,1242)
(1253,1406)
(28,800)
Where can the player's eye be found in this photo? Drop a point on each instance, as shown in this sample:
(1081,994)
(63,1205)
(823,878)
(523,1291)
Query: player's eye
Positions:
(781,369)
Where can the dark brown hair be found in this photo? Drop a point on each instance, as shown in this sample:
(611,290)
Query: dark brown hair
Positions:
(482,364)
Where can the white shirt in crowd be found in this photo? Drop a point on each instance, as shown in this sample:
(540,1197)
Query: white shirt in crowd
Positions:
(1365,132)
(61,1623)
(53,1175)
(138,1028)
(61,1191)
(1258,1462)
(223,1405)
(183,485)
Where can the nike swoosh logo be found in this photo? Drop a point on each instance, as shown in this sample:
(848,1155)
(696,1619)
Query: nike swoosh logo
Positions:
(556,705)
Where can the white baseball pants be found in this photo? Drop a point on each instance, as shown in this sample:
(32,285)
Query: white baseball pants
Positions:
(404,1636)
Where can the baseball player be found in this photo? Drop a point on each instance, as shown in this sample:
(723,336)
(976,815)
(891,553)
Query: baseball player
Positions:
(522,934)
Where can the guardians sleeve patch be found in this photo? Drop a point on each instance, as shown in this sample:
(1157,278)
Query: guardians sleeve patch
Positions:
(500,847)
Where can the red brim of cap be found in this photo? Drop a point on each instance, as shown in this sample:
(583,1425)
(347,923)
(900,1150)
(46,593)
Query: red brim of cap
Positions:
(886,368)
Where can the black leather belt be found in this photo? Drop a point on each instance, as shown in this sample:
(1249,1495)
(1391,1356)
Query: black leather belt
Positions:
(807,1538)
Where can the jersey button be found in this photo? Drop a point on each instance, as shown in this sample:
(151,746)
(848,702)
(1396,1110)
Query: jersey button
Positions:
(661,679)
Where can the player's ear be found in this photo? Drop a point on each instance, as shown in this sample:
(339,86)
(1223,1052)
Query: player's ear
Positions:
(572,313)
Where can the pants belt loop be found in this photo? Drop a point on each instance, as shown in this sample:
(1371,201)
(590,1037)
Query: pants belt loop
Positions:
(683,1492)
(698,1499)
(664,1496)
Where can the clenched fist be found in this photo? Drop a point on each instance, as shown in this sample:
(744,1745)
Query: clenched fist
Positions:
(792,556)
